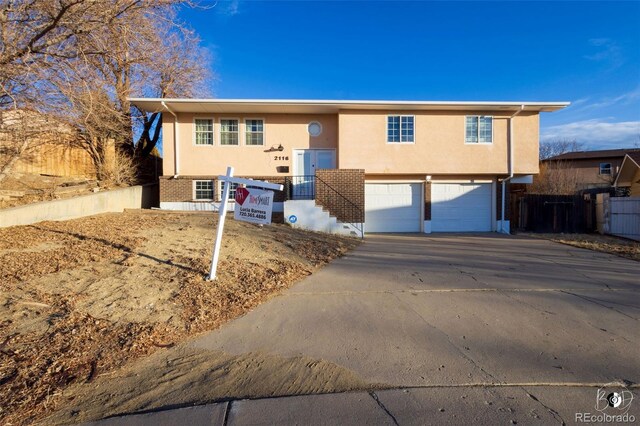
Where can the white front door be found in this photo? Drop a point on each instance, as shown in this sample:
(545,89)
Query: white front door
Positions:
(306,162)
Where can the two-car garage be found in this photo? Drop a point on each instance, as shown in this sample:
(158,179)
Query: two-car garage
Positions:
(455,207)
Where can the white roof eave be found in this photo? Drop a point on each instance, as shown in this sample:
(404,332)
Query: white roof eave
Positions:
(290,106)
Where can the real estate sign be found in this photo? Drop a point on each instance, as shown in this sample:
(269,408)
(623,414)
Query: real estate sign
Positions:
(253,205)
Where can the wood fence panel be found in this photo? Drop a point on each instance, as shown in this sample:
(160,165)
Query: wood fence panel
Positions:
(555,213)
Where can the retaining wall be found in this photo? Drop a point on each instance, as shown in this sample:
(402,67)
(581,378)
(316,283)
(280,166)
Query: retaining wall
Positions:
(116,200)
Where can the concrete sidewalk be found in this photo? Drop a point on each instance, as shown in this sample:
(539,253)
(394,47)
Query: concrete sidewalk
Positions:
(445,329)
(412,406)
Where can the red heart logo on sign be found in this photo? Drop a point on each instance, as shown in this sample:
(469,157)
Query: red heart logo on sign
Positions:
(241,195)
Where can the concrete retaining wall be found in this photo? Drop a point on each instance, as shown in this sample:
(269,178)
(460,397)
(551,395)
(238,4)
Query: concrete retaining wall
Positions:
(134,197)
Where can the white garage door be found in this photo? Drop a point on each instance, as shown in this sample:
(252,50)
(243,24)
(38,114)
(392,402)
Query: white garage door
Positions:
(392,207)
(460,207)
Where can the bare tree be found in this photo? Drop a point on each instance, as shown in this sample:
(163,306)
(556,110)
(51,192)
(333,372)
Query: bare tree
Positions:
(555,178)
(80,60)
(180,69)
(555,147)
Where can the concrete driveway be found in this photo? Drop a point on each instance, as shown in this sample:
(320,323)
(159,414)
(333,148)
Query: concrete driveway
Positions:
(451,329)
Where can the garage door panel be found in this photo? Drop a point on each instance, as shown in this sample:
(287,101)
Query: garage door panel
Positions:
(461,207)
(393,207)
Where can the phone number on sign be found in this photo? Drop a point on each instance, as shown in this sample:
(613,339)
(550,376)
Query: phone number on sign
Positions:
(253,214)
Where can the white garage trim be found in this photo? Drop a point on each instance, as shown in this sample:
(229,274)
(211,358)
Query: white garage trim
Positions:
(394,206)
(463,206)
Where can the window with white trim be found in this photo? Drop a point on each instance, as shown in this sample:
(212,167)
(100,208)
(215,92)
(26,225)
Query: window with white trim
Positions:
(400,128)
(203,131)
(254,132)
(478,129)
(229,132)
(605,169)
(232,190)
(203,190)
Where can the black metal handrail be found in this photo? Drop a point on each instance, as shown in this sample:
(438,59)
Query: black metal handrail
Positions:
(352,210)
(305,188)
(300,187)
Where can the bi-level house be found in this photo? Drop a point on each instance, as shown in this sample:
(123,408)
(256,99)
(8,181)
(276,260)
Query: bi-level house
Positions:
(355,166)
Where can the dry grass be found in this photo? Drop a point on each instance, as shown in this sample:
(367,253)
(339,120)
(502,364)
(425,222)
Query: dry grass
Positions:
(596,242)
(81,298)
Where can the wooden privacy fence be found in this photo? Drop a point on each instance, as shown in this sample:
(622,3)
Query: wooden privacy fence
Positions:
(619,216)
(554,213)
(54,159)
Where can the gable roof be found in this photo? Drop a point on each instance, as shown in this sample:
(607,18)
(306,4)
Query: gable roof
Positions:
(630,165)
(586,155)
(301,106)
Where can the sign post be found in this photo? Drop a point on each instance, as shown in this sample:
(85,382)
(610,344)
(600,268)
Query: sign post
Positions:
(251,206)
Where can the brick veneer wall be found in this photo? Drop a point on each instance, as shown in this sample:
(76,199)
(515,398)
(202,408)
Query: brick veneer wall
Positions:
(427,201)
(180,189)
(347,182)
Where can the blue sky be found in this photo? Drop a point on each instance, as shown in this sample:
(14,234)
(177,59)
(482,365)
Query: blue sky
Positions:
(587,53)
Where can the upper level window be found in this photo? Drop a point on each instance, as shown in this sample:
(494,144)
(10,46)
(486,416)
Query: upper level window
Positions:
(605,168)
(478,129)
(254,132)
(400,128)
(204,131)
(228,132)
(203,190)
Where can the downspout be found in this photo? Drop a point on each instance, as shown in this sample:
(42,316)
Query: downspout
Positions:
(175,139)
(505,180)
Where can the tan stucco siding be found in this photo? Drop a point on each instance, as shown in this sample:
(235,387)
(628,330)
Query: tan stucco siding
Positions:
(359,138)
(526,139)
(439,146)
(288,130)
(168,152)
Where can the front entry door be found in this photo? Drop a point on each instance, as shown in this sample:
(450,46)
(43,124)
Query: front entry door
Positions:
(306,162)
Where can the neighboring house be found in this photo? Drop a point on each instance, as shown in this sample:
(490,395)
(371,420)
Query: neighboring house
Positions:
(593,169)
(385,166)
(629,175)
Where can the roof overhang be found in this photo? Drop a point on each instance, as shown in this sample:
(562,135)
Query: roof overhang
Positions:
(628,170)
(295,106)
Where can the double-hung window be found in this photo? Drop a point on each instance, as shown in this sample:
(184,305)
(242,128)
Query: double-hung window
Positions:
(605,169)
(229,132)
(232,190)
(254,132)
(478,129)
(203,190)
(400,128)
(204,131)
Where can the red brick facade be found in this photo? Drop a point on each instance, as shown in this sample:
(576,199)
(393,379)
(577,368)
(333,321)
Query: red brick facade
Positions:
(180,189)
(427,201)
(341,193)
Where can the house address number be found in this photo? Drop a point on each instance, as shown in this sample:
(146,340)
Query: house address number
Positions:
(281,157)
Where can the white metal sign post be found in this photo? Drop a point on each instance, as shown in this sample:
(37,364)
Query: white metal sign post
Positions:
(228,178)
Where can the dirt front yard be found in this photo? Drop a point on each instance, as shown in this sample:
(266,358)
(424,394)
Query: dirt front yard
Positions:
(80,299)
(603,243)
